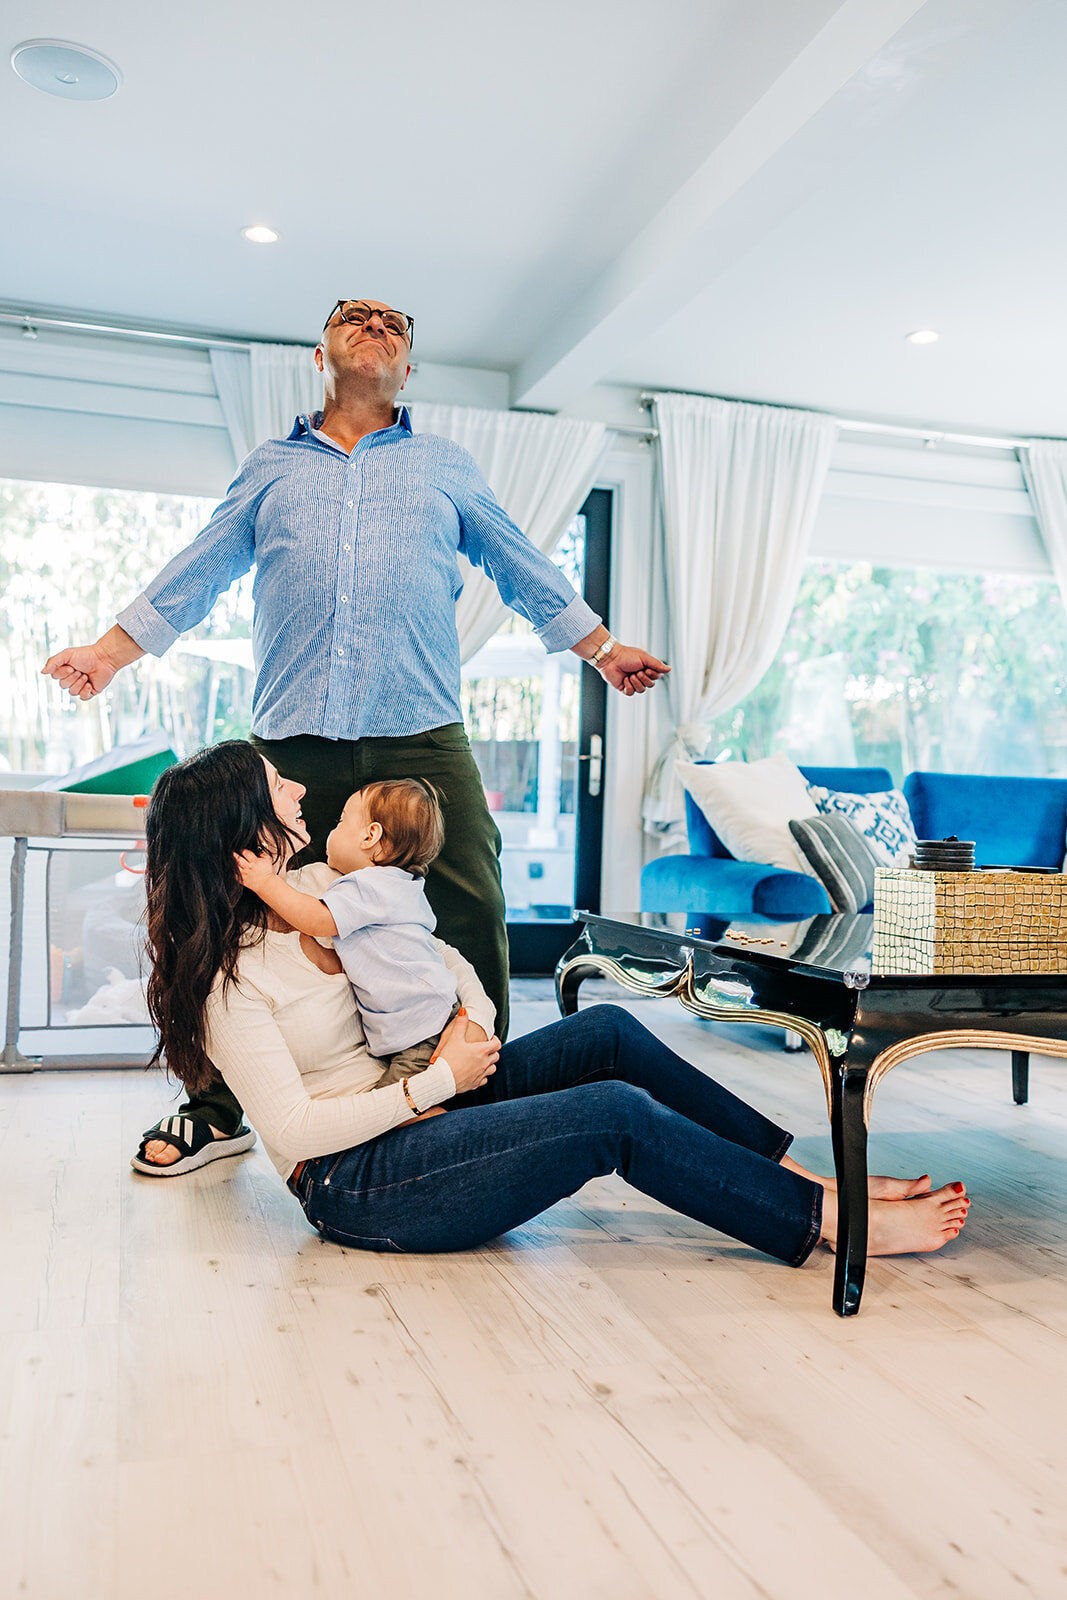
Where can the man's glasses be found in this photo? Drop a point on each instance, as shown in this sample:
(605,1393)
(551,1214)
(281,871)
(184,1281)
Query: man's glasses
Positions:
(358,312)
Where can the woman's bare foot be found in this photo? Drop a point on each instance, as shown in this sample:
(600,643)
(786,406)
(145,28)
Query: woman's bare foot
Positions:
(161,1154)
(878,1188)
(923,1223)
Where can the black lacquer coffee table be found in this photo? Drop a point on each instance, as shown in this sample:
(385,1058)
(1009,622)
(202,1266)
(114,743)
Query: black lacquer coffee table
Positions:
(816,979)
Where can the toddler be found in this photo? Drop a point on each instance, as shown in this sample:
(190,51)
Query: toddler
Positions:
(379,917)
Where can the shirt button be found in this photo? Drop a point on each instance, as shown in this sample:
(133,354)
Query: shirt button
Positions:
(348,503)
(347,547)
(340,650)
(344,599)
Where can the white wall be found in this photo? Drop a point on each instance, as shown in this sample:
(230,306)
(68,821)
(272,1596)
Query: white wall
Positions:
(78,408)
(901,504)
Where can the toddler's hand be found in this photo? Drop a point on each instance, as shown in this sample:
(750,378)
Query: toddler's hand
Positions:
(254,871)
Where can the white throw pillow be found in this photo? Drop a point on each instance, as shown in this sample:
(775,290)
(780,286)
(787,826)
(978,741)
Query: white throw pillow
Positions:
(882,819)
(750,804)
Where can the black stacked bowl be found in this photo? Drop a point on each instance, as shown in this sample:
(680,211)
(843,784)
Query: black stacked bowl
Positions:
(944,855)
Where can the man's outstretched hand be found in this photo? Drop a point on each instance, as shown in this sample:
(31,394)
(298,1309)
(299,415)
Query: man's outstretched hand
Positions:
(84,669)
(632,671)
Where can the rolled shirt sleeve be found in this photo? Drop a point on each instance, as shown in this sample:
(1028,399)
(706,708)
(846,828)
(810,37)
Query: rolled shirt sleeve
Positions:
(527,581)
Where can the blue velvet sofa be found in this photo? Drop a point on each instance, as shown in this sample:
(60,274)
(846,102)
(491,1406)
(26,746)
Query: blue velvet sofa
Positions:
(1013,821)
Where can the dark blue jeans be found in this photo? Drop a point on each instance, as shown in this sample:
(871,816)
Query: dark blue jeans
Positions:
(592,1094)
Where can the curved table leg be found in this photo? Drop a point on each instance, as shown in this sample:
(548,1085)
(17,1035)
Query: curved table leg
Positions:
(1020,1076)
(848,1129)
(569,979)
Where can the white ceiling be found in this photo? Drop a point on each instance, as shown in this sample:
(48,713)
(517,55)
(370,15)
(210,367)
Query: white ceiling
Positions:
(953,217)
(747,197)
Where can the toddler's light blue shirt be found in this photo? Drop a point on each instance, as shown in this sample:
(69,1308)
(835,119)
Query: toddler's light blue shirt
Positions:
(384,922)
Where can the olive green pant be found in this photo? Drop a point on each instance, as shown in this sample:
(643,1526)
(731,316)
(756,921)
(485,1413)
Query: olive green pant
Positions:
(463,886)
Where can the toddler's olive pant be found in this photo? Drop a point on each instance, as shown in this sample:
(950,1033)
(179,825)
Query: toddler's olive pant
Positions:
(415,1058)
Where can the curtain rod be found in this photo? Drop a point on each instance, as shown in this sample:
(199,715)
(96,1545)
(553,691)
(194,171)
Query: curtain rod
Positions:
(30,321)
(630,431)
(931,437)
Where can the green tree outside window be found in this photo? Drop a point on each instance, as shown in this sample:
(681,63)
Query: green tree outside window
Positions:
(913,670)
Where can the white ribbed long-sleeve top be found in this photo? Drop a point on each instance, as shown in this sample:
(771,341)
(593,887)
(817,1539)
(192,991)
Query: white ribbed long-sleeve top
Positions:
(288,1040)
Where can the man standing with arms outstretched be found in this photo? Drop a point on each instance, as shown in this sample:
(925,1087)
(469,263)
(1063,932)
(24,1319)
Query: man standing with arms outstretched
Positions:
(353,524)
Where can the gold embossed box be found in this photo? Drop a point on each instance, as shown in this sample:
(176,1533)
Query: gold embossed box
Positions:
(959,922)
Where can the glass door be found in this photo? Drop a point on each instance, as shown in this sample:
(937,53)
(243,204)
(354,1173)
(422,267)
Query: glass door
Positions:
(536,726)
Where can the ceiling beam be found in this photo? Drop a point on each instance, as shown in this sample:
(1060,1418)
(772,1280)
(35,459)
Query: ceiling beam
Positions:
(750,180)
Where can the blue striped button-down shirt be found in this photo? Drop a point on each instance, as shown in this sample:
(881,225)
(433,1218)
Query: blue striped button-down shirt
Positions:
(354,633)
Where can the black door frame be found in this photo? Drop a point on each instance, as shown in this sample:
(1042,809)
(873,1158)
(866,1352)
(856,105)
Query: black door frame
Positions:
(535,947)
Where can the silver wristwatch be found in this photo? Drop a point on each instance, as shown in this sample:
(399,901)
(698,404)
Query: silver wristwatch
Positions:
(601,654)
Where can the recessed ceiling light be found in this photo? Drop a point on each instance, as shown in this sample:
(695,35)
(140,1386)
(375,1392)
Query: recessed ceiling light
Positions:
(72,71)
(258,234)
(922,336)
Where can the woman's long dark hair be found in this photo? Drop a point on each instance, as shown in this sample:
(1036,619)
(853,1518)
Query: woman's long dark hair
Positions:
(202,811)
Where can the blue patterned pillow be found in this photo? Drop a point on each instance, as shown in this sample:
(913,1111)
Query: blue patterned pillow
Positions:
(882,819)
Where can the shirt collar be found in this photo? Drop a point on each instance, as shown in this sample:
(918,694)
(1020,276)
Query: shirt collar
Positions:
(306,424)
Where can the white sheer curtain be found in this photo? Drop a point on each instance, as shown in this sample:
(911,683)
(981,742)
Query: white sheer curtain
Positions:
(261,391)
(285,383)
(540,468)
(740,486)
(230,370)
(1044,464)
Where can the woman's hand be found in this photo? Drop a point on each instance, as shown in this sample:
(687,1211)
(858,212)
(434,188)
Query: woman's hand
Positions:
(255,872)
(473,1063)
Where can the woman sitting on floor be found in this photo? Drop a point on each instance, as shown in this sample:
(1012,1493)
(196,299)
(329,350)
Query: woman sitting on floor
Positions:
(488,1136)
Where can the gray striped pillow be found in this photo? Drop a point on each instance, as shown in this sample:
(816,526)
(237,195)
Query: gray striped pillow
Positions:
(840,858)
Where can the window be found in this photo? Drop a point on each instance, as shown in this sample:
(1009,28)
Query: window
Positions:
(521,708)
(70,558)
(913,670)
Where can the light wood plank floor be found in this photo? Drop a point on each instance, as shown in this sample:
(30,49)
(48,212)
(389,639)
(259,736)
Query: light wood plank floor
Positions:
(199,1397)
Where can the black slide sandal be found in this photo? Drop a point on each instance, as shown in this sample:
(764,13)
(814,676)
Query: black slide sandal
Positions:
(196,1145)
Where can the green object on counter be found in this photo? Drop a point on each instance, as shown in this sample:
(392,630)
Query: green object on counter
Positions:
(126,777)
